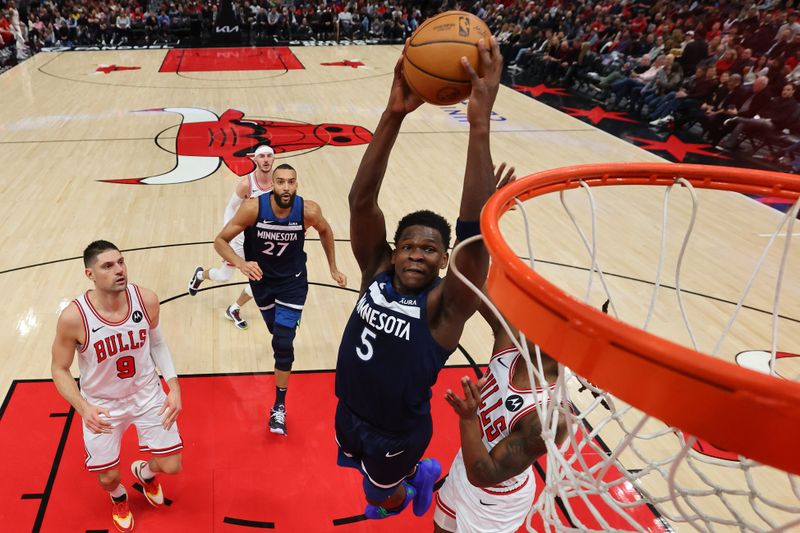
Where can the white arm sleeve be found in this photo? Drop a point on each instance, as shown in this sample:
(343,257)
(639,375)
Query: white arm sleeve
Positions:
(161,355)
(232,207)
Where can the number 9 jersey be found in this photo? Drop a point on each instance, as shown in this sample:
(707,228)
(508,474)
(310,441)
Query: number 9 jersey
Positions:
(388,361)
(114,360)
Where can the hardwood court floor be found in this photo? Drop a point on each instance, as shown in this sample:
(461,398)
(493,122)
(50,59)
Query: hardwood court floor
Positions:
(66,130)
(67,127)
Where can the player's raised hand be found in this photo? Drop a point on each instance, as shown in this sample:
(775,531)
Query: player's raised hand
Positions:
(171,408)
(339,278)
(251,270)
(503,180)
(466,407)
(95,419)
(485,87)
(401,98)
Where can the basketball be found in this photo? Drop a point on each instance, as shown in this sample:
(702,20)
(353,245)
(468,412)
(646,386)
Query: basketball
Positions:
(432,63)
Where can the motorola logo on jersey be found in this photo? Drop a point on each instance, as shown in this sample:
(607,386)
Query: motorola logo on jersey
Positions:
(137,316)
(204,141)
(514,403)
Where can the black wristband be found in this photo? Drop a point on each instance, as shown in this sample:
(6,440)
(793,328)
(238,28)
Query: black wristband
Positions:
(467,228)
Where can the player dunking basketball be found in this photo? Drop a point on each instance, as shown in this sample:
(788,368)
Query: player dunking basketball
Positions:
(274,261)
(407,320)
(115,329)
(253,185)
(491,485)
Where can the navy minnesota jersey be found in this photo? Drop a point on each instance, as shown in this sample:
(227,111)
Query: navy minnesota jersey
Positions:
(388,361)
(276,244)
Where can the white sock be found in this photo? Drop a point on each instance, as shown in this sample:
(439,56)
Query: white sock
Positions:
(119,492)
(234,306)
(146,472)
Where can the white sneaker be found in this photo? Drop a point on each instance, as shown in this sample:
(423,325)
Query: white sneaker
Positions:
(232,314)
(663,121)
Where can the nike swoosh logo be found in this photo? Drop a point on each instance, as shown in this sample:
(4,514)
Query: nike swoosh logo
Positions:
(95,330)
(500,360)
(298,274)
(394,454)
(484,503)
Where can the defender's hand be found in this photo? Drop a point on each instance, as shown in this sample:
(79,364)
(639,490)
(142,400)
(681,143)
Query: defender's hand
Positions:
(466,407)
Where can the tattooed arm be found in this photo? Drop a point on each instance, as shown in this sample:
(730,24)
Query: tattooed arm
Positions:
(510,456)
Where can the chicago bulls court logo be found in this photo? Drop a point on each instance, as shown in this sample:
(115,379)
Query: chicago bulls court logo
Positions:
(205,140)
(759,361)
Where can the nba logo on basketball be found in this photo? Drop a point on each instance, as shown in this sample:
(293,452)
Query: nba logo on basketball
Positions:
(463,26)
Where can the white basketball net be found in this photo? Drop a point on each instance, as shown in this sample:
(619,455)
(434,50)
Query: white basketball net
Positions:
(620,469)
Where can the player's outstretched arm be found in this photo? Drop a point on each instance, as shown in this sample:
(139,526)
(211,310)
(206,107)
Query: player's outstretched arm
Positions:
(69,332)
(312,214)
(245,217)
(367,223)
(509,457)
(162,357)
(458,302)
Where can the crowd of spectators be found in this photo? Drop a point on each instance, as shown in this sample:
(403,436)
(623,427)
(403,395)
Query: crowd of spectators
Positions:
(728,67)
(56,23)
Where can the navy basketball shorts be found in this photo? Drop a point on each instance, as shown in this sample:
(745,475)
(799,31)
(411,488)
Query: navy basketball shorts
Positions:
(386,459)
(281,302)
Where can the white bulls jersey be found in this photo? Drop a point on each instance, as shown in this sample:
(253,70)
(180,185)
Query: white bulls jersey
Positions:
(115,359)
(503,405)
(255,191)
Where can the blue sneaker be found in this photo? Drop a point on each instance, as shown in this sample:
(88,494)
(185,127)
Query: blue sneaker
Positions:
(428,471)
(375,512)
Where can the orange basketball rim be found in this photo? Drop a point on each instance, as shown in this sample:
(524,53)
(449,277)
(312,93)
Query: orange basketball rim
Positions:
(734,408)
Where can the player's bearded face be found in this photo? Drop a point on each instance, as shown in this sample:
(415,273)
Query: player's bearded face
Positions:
(418,257)
(284,188)
(285,202)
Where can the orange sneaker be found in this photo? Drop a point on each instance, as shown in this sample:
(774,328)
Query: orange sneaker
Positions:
(152,489)
(121,515)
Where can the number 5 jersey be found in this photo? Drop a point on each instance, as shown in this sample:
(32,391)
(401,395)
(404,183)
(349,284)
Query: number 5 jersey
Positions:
(388,361)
